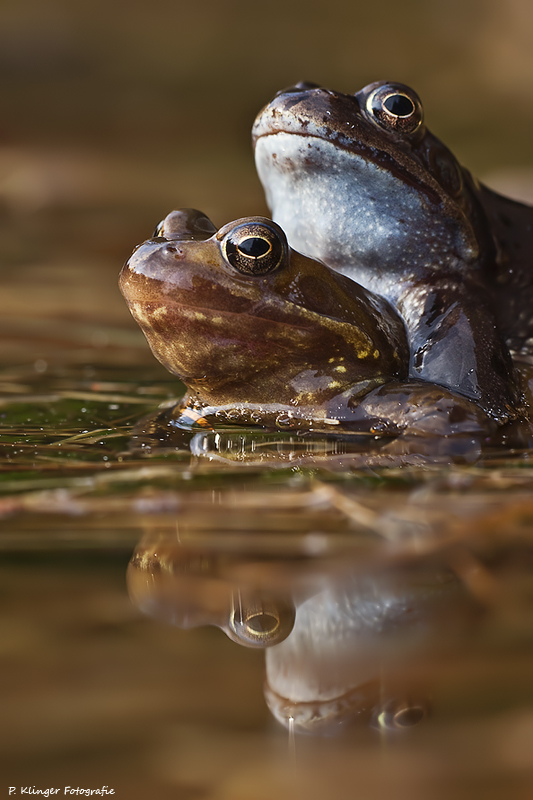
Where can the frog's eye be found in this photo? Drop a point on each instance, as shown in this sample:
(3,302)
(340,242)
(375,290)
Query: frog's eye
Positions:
(254,248)
(395,107)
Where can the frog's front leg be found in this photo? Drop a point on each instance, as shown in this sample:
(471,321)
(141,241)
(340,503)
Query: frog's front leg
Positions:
(454,342)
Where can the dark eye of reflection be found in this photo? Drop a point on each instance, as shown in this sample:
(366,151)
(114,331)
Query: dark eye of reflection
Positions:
(406,717)
(262,623)
(399,714)
(399,105)
(254,246)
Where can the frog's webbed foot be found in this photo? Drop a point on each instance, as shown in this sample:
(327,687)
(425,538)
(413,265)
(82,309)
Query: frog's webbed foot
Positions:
(454,342)
(158,432)
(436,422)
(427,410)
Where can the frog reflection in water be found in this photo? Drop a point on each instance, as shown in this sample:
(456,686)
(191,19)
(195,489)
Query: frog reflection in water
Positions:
(342,644)
(266,336)
(358,182)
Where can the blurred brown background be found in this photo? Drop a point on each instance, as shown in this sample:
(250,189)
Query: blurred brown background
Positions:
(114,112)
(150,103)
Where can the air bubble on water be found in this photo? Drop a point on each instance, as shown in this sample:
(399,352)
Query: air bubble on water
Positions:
(284,420)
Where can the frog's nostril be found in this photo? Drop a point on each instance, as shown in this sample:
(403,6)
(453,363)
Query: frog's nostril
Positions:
(177,252)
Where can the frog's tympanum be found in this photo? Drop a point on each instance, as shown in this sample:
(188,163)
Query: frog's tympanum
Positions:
(263,335)
(358,182)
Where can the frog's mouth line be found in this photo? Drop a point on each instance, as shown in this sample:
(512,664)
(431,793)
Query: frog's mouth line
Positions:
(200,314)
(218,317)
(321,714)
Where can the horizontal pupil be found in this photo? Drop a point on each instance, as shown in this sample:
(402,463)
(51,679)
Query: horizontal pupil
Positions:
(399,105)
(254,247)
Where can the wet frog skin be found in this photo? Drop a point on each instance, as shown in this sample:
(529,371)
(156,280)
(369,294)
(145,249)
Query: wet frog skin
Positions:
(260,333)
(358,182)
(241,319)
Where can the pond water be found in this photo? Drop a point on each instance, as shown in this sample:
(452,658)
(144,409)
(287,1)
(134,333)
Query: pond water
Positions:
(264,615)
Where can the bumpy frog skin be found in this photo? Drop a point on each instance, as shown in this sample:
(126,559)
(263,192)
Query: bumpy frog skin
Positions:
(260,333)
(358,182)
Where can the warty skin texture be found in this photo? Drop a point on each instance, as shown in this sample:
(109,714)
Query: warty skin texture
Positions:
(279,335)
(382,200)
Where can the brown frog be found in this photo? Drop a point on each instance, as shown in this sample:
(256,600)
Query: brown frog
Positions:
(263,335)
